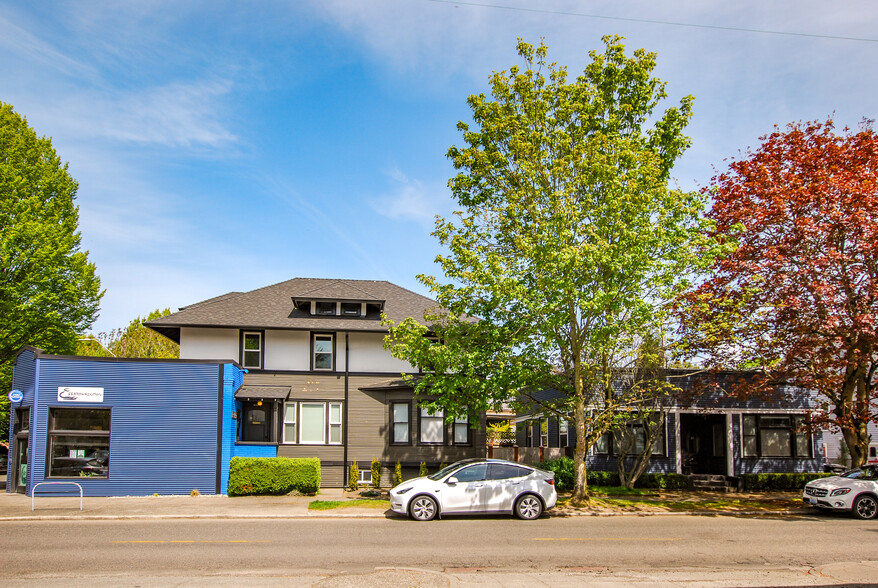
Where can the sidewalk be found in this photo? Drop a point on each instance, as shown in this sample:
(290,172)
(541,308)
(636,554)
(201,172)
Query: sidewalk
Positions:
(17,507)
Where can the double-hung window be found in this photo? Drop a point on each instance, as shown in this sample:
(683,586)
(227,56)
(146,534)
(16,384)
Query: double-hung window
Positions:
(313,423)
(461,431)
(563,433)
(432,427)
(400,416)
(79,442)
(251,350)
(323,356)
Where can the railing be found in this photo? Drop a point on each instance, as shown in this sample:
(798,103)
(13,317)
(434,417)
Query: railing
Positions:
(56,493)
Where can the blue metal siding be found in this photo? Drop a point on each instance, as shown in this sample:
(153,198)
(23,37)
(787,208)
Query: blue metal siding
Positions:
(163,431)
(255,451)
(24,379)
(232,380)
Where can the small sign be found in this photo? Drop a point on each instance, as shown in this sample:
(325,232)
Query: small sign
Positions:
(16,396)
(71,394)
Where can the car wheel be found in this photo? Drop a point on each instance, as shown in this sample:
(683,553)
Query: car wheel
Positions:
(528,507)
(423,508)
(865,507)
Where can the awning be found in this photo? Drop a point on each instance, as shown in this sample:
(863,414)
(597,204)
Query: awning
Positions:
(263,393)
(388,386)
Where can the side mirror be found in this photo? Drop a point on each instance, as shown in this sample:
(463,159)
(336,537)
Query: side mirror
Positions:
(452,480)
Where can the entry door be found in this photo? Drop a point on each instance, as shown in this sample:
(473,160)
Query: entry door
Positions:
(19,473)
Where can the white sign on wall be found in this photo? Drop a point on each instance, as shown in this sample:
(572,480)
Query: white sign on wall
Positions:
(72,394)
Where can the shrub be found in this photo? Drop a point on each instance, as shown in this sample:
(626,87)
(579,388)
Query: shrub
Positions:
(354,477)
(376,473)
(563,468)
(767,482)
(273,475)
(422,471)
(397,474)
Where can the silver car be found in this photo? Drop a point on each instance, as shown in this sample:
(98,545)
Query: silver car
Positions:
(477,486)
(855,491)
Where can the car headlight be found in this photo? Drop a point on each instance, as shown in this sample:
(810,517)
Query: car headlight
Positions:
(840,492)
(403,491)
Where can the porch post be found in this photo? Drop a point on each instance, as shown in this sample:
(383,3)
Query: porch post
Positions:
(678,444)
(730,444)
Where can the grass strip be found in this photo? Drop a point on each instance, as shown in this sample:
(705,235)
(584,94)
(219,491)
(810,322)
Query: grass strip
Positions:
(357,502)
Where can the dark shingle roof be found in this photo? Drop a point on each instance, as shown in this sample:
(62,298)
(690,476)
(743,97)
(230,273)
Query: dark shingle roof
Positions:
(272,307)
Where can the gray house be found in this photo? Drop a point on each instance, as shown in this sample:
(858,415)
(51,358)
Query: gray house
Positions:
(318,380)
(712,432)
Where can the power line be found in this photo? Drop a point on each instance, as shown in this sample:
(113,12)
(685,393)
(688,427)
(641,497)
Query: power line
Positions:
(659,22)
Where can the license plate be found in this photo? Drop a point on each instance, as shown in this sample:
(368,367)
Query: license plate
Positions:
(812,500)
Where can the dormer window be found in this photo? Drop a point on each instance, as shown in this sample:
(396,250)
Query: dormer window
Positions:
(324,308)
(351,309)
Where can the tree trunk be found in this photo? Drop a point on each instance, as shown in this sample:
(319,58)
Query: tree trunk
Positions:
(580,483)
(853,414)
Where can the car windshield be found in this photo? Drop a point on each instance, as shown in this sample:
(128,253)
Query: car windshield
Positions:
(447,470)
(855,473)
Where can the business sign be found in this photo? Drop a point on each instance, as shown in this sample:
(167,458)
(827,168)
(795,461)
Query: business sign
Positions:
(16,396)
(71,394)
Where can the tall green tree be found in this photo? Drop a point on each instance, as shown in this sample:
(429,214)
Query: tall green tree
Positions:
(49,290)
(135,340)
(568,245)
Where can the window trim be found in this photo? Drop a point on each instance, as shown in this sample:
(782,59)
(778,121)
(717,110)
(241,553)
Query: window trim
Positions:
(328,423)
(294,422)
(566,434)
(332,353)
(796,420)
(440,415)
(52,432)
(408,422)
(261,350)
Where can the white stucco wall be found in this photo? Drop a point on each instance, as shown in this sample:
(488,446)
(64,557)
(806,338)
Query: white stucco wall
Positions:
(287,350)
(368,355)
(199,343)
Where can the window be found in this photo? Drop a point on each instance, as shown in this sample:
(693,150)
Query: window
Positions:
(251,352)
(365,478)
(528,434)
(432,426)
(544,432)
(503,471)
(563,433)
(290,429)
(774,436)
(399,415)
(313,423)
(79,442)
(350,309)
(325,308)
(474,473)
(461,431)
(610,443)
(22,421)
(323,352)
(257,421)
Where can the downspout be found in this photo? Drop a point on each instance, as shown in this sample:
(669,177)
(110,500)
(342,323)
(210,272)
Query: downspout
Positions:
(344,428)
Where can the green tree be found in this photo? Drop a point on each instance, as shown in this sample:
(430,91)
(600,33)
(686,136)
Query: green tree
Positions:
(135,340)
(49,290)
(568,247)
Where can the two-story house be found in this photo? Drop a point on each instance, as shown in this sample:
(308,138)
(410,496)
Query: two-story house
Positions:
(318,380)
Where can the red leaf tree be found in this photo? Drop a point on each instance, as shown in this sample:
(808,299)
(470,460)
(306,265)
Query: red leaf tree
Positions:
(798,298)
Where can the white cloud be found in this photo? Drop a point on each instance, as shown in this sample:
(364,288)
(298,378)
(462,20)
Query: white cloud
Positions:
(410,199)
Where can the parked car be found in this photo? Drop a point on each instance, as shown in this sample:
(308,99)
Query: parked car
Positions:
(477,486)
(855,491)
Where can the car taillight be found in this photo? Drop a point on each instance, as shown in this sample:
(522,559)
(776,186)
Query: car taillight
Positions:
(551,481)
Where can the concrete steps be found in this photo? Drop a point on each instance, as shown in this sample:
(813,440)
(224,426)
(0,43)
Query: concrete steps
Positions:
(711,483)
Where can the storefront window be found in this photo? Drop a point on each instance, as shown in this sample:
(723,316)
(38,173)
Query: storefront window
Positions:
(79,442)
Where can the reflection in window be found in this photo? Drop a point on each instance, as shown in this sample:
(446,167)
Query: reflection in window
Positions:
(322,352)
(400,416)
(79,442)
(775,436)
(251,355)
(461,430)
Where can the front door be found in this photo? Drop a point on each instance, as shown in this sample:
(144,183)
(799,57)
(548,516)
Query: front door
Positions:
(19,468)
(703,443)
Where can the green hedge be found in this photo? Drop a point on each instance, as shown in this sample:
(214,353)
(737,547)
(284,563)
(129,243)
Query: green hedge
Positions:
(763,482)
(563,468)
(273,475)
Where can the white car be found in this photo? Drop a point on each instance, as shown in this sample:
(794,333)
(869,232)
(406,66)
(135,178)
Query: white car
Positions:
(477,486)
(855,491)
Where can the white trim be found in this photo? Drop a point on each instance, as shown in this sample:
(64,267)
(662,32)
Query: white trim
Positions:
(331,352)
(730,455)
(679,444)
(322,405)
(330,423)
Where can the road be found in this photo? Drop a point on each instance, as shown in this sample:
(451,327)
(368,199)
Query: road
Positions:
(298,552)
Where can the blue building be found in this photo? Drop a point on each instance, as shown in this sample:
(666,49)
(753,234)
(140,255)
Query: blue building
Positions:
(122,427)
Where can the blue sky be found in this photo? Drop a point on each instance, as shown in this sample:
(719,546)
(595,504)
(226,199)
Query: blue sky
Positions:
(226,146)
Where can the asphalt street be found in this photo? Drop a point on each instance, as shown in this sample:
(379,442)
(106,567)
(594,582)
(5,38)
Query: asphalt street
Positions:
(682,550)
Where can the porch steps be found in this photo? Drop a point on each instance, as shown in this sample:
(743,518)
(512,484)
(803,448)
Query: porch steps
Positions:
(711,483)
